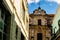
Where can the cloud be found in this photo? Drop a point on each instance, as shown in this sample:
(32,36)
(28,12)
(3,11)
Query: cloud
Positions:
(33,1)
(37,1)
(57,1)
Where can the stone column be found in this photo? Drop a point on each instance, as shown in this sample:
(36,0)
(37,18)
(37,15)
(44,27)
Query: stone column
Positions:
(13,29)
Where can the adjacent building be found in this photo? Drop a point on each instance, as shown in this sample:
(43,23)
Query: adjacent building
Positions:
(56,26)
(14,20)
(40,25)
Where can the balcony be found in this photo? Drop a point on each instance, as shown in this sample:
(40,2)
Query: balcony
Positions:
(56,35)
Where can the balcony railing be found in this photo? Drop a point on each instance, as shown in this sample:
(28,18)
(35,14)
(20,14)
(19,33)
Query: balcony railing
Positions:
(56,34)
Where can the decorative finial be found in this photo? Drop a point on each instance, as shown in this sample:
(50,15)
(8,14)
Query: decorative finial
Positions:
(39,8)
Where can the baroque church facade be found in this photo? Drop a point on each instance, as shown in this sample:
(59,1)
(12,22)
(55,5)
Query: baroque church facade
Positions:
(40,25)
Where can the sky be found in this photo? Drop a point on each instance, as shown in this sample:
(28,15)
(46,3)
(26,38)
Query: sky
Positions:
(50,6)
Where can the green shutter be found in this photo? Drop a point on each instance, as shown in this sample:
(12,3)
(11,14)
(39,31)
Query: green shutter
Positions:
(1,25)
(1,21)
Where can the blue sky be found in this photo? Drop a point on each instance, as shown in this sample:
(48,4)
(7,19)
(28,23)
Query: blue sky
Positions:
(48,5)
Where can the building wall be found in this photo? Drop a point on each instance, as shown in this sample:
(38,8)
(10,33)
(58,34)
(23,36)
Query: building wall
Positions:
(19,10)
(55,24)
(55,21)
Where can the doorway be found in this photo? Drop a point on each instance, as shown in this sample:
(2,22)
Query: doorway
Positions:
(39,36)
